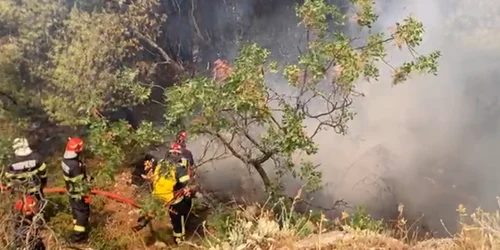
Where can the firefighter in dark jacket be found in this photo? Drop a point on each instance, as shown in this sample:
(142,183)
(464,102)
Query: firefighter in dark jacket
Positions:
(187,160)
(186,153)
(170,184)
(75,176)
(27,172)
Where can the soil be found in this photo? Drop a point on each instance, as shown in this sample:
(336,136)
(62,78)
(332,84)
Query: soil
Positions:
(117,219)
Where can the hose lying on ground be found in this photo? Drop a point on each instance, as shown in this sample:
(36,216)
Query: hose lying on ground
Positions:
(116,197)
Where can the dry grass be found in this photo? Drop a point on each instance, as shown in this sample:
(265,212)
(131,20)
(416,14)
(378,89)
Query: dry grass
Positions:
(480,230)
(276,226)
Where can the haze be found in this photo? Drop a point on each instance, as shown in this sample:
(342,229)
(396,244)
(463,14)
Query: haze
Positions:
(430,143)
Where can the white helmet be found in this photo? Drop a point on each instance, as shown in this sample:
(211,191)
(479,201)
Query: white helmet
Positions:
(21,147)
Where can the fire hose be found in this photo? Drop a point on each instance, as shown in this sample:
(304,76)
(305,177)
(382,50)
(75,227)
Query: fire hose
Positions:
(113,196)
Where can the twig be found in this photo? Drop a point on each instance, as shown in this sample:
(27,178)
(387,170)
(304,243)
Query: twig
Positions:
(446,229)
(162,52)
(195,24)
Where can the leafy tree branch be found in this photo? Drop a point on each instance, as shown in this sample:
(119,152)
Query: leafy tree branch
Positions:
(268,124)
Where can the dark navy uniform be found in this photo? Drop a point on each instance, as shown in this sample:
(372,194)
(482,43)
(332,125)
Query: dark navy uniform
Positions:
(28,173)
(186,154)
(75,176)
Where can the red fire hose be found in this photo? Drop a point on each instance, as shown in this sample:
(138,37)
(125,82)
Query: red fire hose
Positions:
(119,198)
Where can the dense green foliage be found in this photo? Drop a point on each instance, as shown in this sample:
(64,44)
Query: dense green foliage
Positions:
(72,60)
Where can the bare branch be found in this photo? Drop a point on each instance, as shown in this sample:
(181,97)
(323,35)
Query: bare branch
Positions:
(11,98)
(215,156)
(368,46)
(228,146)
(162,52)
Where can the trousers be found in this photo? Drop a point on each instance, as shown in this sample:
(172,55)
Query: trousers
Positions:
(23,228)
(81,213)
(178,216)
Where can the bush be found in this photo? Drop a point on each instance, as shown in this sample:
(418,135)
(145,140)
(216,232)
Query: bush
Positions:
(361,220)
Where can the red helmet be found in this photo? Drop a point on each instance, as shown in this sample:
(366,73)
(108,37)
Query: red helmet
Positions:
(182,136)
(74,144)
(27,206)
(175,148)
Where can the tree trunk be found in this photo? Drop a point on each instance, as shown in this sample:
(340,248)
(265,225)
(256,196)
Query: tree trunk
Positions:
(263,175)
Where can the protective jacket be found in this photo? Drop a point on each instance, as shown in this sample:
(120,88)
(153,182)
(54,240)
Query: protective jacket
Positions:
(187,155)
(170,179)
(170,182)
(29,171)
(75,177)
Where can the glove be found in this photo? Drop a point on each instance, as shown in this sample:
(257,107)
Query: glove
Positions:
(142,222)
(187,192)
(87,199)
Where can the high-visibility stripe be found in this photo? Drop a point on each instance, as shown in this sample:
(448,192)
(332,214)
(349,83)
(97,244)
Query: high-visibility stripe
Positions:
(76,196)
(74,221)
(42,167)
(177,234)
(74,179)
(33,190)
(184,178)
(25,175)
(183,226)
(78,228)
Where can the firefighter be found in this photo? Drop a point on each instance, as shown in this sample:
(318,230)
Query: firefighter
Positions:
(187,160)
(27,224)
(27,172)
(75,176)
(170,180)
(186,153)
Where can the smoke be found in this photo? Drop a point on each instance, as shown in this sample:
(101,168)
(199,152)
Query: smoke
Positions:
(434,136)
(430,143)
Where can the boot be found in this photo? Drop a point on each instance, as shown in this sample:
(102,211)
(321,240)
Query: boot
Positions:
(178,240)
(77,237)
(142,222)
(38,245)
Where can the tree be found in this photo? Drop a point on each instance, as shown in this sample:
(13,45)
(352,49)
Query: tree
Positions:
(96,63)
(83,56)
(257,123)
(70,60)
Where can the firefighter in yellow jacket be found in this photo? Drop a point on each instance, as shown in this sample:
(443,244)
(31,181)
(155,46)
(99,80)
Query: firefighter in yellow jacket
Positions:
(170,184)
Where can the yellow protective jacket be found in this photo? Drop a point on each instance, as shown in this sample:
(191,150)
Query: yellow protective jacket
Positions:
(170,178)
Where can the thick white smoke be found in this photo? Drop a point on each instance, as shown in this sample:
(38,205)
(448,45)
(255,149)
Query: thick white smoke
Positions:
(430,143)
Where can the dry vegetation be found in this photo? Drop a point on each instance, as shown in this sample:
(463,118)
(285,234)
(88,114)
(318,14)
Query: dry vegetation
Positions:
(272,225)
(479,230)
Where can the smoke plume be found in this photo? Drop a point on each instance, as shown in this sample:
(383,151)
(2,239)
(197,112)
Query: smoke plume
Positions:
(430,143)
